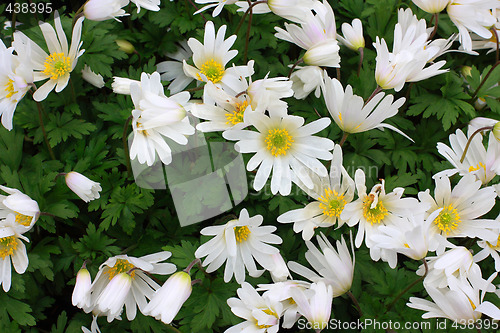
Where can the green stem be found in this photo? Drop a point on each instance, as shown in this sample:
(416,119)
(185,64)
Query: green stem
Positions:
(376,91)
(470,140)
(246,13)
(295,65)
(361,56)
(196,7)
(484,80)
(40,117)
(249,28)
(344,137)
(173,328)
(436,18)
(355,301)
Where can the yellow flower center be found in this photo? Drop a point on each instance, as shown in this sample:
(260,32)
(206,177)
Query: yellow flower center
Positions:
(121,266)
(375,214)
(23,219)
(497,246)
(9,87)
(236,116)
(241,233)
(406,245)
(448,219)
(57,65)
(278,141)
(477,167)
(472,304)
(213,70)
(7,246)
(332,203)
(271,313)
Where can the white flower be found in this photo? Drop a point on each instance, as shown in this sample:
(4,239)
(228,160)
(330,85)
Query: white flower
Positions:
(472,15)
(211,57)
(266,94)
(260,8)
(489,249)
(168,300)
(353,35)
(131,270)
(293,10)
(315,304)
(461,208)
(85,188)
(331,194)
(350,112)
(238,243)
(432,6)
(94,79)
(306,80)
(155,117)
(94,328)
(101,10)
(81,292)
(283,145)
(24,209)
(16,75)
(280,271)
(56,66)
(147,4)
(262,314)
(173,70)
(375,209)
(479,161)
(335,267)
(218,4)
(317,35)
(11,248)
(121,85)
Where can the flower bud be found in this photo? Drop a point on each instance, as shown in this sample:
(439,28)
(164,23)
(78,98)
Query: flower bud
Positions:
(94,79)
(125,46)
(101,10)
(85,188)
(81,292)
(112,298)
(432,6)
(466,71)
(496,130)
(323,54)
(353,35)
(121,85)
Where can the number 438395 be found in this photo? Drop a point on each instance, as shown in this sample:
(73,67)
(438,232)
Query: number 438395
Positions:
(29,8)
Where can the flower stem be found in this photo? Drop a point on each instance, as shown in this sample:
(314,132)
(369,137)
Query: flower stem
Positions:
(376,91)
(295,65)
(411,285)
(355,301)
(125,146)
(484,80)
(194,262)
(344,137)
(436,18)
(253,4)
(196,7)
(46,139)
(249,28)
(470,140)
(173,328)
(361,56)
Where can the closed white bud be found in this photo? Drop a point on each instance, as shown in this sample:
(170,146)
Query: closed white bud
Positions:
(101,10)
(353,35)
(121,85)
(112,298)
(85,188)
(323,54)
(81,292)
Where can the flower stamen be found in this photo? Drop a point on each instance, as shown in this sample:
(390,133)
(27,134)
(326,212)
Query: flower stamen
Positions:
(213,70)
(375,214)
(57,65)
(9,87)
(236,116)
(241,233)
(7,246)
(278,141)
(121,266)
(332,203)
(448,219)
(23,219)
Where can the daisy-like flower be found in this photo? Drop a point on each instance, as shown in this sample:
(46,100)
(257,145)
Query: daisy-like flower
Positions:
(489,249)
(315,304)
(168,300)
(94,79)
(85,188)
(353,35)
(317,35)
(94,328)
(172,70)
(331,194)
(155,117)
(132,287)
(283,145)
(306,80)
(479,161)
(376,209)
(218,4)
(432,6)
(472,15)
(461,208)
(11,249)
(350,112)
(335,267)
(238,243)
(24,209)
(56,66)
(461,303)
(262,314)
(153,5)
(15,79)
(211,57)
(228,111)
(101,10)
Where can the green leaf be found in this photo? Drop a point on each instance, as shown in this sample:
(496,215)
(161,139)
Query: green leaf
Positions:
(19,311)
(62,126)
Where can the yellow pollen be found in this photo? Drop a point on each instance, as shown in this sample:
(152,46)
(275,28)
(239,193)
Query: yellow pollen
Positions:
(121,266)
(340,116)
(497,246)
(23,219)
(213,70)
(269,312)
(376,214)
(7,246)
(332,203)
(472,304)
(278,141)
(57,65)
(9,87)
(448,219)
(236,116)
(241,233)
(477,167)
(406,245)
